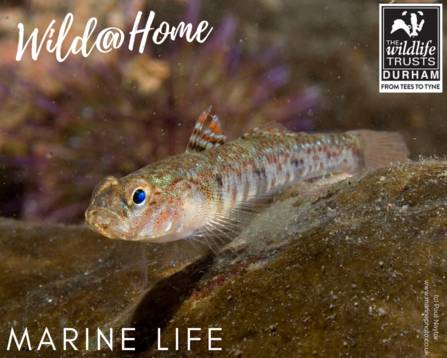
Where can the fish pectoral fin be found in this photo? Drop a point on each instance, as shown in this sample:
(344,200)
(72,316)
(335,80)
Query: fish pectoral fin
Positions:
(202,139)
(270,129)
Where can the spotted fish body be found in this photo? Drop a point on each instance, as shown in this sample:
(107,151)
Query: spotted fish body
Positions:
(203,189)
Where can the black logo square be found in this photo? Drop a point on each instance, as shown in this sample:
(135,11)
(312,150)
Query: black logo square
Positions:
(410,46)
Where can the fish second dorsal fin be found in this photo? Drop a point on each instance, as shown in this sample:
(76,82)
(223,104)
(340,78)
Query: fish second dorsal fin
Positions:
(270,129)
(202,139)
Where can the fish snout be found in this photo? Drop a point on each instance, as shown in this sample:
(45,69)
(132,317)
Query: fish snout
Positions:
(107,184)
(106,213)
(107,222)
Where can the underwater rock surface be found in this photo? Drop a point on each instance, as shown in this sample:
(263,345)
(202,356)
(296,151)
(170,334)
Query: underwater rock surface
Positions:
(342,271)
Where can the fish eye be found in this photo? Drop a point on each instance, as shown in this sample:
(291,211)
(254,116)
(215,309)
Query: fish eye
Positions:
(139,196)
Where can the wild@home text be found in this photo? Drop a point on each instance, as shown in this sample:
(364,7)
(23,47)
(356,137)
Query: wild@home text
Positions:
(108,39)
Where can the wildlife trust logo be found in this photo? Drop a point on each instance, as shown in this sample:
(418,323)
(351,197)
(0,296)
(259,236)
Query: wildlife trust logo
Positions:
(410,48)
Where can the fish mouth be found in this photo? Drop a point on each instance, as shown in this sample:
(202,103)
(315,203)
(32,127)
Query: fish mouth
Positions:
(108,223)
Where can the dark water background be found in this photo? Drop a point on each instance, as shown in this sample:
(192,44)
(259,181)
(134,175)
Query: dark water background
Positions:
(64,126)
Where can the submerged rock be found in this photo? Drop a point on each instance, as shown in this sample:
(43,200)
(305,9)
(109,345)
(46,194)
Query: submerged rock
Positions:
(328,270)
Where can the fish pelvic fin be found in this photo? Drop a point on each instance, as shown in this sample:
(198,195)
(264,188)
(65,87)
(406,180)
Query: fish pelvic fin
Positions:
(382,148)
(203,139)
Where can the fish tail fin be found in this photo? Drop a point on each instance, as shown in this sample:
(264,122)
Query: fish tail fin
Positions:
(382,148)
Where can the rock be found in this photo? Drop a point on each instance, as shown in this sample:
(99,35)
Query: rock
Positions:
(60,276)
(343,270)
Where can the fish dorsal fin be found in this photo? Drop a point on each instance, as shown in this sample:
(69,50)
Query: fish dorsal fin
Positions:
(202,139)
(270,129)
